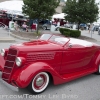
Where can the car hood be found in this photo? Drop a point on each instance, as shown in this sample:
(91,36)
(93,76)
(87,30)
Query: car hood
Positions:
(37,45)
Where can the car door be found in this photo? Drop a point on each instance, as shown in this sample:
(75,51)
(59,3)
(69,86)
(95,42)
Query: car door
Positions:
(49,25)
(76,58)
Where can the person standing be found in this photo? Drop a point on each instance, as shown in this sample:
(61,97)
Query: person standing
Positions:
(92,28)
(16,26)
(99,31)
(25,27)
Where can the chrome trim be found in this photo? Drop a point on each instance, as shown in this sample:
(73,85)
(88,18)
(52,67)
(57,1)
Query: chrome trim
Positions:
(6,73)
(14,88)
(10,61)
(39,81)
(99,68)
(2,51)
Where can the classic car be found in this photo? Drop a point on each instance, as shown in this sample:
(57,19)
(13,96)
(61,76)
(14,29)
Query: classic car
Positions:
(51,58)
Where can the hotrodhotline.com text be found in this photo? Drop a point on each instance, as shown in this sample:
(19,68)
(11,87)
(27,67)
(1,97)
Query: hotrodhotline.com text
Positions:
(49,96)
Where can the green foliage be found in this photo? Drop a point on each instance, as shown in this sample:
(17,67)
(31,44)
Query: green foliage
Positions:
(62,30)
(39,9)
(75,33)
(37,33)
(66,33)
(70,33)
(81,11)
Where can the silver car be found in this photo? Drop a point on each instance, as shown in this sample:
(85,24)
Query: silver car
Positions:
(47,26)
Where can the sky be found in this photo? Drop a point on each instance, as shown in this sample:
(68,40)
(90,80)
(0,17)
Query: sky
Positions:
(95,0)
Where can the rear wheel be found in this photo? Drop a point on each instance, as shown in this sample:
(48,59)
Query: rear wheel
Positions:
(39,83)
(98,72)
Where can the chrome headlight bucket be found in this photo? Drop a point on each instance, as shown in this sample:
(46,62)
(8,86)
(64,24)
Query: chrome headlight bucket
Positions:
(2,52)
(18,61)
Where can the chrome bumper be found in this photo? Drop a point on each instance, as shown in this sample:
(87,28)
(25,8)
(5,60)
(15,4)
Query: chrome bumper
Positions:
(15,88)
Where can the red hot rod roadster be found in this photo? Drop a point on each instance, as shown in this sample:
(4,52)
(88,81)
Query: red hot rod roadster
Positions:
(50,58)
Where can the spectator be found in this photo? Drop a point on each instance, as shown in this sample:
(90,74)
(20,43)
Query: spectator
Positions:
(25,27)
(16,26)
(92,28)
(54,22)
(99,31)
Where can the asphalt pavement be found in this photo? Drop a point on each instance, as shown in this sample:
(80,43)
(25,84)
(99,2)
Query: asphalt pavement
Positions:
(5,36)
(91,34)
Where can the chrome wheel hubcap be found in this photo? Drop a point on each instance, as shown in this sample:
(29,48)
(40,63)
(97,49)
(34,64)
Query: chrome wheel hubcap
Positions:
(39,81)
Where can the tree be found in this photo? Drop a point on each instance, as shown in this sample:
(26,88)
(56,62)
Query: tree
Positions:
(81,11)
(39,9)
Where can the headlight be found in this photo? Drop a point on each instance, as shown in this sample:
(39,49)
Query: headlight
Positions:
(18,61)
(2,52)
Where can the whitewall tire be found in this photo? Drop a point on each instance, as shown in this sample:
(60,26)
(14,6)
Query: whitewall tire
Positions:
(39,83)
(98,72)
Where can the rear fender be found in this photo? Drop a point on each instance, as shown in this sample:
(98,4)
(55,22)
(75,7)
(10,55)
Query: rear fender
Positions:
(24,76)
(96,60)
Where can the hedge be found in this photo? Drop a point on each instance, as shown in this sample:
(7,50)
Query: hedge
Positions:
(62,30)
(70,33)
(66,33)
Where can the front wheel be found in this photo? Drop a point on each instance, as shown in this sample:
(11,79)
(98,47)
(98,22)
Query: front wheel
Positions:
(39,83)
(98,72)
(44,28)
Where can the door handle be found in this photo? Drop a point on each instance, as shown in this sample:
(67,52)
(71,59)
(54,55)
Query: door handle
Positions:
(70,45)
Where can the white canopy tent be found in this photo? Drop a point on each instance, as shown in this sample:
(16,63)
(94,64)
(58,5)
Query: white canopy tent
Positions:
(12,7)
(59,16)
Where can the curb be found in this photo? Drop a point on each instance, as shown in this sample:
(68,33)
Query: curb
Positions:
(6,39)
(22,38)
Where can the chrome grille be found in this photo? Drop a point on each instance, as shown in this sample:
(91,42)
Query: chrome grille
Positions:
(9,64)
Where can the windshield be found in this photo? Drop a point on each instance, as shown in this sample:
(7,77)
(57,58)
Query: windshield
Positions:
(54,38)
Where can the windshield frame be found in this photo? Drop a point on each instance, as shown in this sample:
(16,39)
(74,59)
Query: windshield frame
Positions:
(50,36)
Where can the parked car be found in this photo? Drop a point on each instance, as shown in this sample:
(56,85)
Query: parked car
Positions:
(96,27)
(48,27)
(83,26)
(51,58)
(69,25)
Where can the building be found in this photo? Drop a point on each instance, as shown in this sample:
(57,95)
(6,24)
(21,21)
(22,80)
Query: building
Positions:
(59,8)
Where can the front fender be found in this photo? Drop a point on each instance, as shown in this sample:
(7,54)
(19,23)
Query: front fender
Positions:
(24,76)
(2,62)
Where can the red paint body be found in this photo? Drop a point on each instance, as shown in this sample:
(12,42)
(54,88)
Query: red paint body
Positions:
(63,62)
